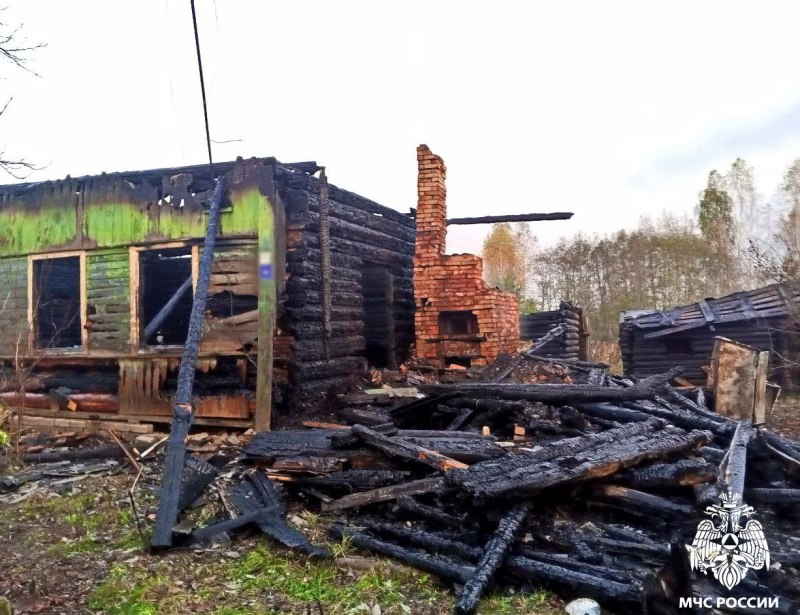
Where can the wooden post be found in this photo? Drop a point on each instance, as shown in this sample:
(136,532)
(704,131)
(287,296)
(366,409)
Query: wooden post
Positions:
(266,309)
(738,378)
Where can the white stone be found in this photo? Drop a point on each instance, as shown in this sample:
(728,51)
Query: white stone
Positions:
(583,606)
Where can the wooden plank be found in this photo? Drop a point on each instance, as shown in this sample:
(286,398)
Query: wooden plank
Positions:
(708,313)
(738,379)
(266,306)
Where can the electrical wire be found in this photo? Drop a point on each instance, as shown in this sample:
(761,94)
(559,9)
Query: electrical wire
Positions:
(202,86)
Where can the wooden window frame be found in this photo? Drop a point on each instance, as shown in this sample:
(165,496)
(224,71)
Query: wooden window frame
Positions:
(134,256)
(32,334)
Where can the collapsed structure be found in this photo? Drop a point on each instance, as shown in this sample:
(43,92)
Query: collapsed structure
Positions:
(308,285)
(96,273)
(567,327)
(764,318)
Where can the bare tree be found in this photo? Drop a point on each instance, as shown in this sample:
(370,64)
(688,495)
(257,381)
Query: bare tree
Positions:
(15,50)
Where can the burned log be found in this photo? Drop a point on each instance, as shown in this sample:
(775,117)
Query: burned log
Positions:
(684,472)
(732,470)
(427,540)
(403,448)
(249,498)
(209,531)
(430,513)
(384,494)
(555,393)
(590,585)
(462,418)
(493,557)
(354,480)
(308,443)
(531,475)
(446,569)
(764,495)
(466,450)
(639,502)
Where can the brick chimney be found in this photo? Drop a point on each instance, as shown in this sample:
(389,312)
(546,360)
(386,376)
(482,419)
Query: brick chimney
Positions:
(458,318)
(431,206)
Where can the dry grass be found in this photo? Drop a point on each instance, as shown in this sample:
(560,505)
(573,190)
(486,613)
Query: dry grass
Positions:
(606,352)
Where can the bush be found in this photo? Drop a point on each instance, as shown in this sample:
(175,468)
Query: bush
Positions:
(4,439)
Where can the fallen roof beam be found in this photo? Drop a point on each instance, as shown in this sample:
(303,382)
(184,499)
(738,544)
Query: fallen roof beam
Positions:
(558,215)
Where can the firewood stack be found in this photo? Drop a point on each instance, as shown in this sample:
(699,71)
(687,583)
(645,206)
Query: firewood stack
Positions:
(592,488)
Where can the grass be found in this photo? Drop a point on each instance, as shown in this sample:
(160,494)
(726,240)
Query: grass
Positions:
(251,576)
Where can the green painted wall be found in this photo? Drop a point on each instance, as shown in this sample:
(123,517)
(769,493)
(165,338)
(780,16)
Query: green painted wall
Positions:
(52,226)
(108,299)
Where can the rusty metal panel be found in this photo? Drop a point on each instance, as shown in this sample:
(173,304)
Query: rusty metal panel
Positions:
(738,378)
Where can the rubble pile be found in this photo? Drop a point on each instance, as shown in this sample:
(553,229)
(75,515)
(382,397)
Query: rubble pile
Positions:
(543,472)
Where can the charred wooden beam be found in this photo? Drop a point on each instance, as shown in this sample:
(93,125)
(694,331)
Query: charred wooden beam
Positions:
(733,467)
(169,495)
(560,215)
(462,418)
(209,531)
(384,494)
(493,557)
(786,496)
(165,312)
(427,540)
(403,448)
(446,569)
(639,502)
(355,480)
(684,472)
(553,393)
(531,475)
(406,413)
(248,498)
(431,513)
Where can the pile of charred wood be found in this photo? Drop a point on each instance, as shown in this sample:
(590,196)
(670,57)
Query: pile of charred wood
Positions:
(592,486)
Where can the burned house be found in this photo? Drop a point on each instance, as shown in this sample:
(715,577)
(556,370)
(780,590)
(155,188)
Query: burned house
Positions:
(567,327)
(764,318)
(97,273)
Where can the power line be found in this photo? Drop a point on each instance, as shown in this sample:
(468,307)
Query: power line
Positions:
(202,86)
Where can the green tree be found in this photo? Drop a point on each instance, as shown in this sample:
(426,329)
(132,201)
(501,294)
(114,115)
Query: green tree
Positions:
(503,261)
(715,218)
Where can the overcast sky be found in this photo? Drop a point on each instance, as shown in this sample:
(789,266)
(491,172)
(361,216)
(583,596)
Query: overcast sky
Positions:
(611,110)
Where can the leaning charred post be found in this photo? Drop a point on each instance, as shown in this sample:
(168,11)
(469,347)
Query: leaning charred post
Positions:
(169,495)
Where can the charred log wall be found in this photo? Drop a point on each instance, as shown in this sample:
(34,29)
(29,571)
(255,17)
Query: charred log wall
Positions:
(692,349)
(569,345)
(371,252)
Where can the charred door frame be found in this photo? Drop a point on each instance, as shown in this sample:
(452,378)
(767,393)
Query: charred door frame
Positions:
(32,299)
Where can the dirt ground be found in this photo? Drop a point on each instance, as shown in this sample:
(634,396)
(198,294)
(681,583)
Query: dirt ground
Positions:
(785,416)
(79,551)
